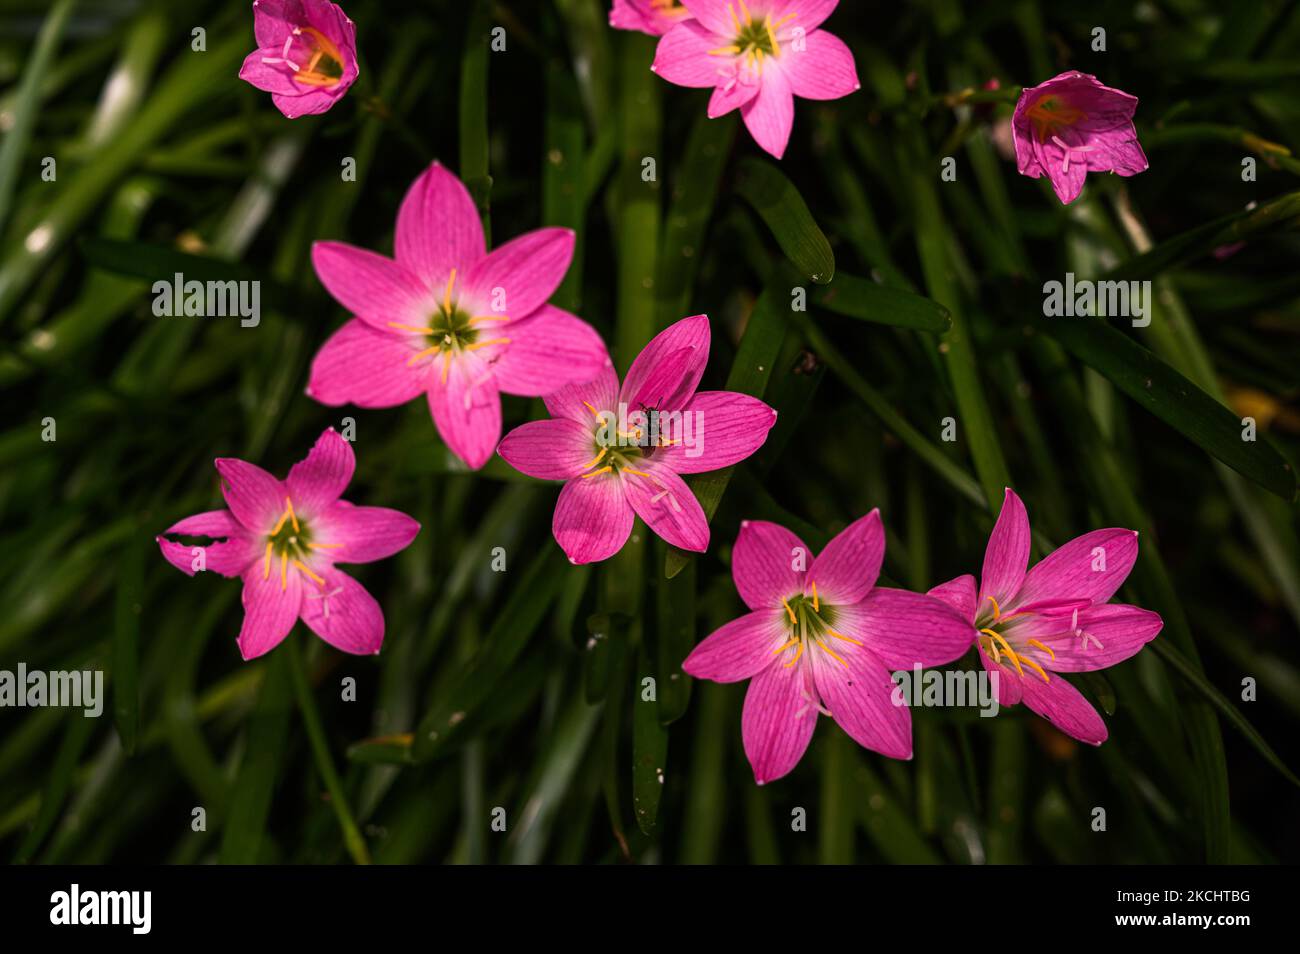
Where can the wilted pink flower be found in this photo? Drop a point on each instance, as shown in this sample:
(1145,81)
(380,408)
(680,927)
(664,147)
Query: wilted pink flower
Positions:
(1072,125)
(306,55)
(283,539)
(757,57)
(1052,619)
(449,320)
(621,451)
(655,17)
(825,640)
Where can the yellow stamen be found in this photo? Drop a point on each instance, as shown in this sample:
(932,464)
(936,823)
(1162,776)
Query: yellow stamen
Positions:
(490,318)
(597,459)
(284,566)
(734,21)
(847,639)
(446,295)
(266,566)
(446,365)
(298,564)
(1046,649)
(289,506)
(793,642)
(816,604)
(484,344)
(749,21)
(833,654)
(725,50)
(324,546)
(1006,648)
(280,524)
(793,618)
(422,354)
(997,610)
(797,653)
(639,473)
(596,473)
(592,409)
(1029,662)
(412,328)
(771,35)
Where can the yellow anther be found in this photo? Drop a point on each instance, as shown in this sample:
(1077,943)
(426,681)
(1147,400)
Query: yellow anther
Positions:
(792,642)
(639,473)
(446,365)
(446,295)
(324,546)
(816,604)
(732,13)
(997,610)
(597,459)
(794,619)
(284,567)
(749,21)
(1029,662)
(280,523)
(833,654)
(484,344)
(771,35)
(596,473)
(490,318)
(847,639)
(422,354)
(1006,648)
(592,408)
(416,329)
(289,506)
(266,565)
(1046,649)
(725,50)
(797,653)
(299,565)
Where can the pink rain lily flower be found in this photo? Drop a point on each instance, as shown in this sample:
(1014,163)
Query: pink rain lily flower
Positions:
(449,320)
(655,17)
(757,56)
(1054,618)
(282,538)
(622,451)
(1072,125)
(306,55)
(822,640)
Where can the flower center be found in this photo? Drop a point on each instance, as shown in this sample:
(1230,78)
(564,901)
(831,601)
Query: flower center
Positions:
(809,624)
(290,540)
(451,330)
(754,39)
(1050,114)
(312,56)
(994,643)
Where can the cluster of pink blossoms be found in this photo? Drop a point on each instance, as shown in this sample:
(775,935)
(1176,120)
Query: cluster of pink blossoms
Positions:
(449,320)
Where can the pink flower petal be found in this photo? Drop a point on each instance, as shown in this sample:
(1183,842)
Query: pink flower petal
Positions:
(230,553)
(1065,707)
(366,533)
(823,69)
(273,20)
(518,277)
(769,116)
(361,365)
(254,496)
(312,103)
(859,692)
(1007,553)
(725,427)
(768,564)
(1113,632)
(808,14)
(901,628)
(667,505)
(1091,567)
(960,594)
(344,614)
(739,649)
(374,288)
(846,570)
(734,93)
(549,349)
(572,400)
(684,348)
(270,608)
(555,449)
(682,56)
(438,227)
(319,480)
(268,77)
(779,716)
(467,408)
(592,519)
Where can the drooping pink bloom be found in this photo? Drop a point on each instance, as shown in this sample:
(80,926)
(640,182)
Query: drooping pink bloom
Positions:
(306,55)
(822,640)
(1072,125)
(622,451)
(655,17)
(283,539)
(757,56)
(449,320)
(1054,618)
